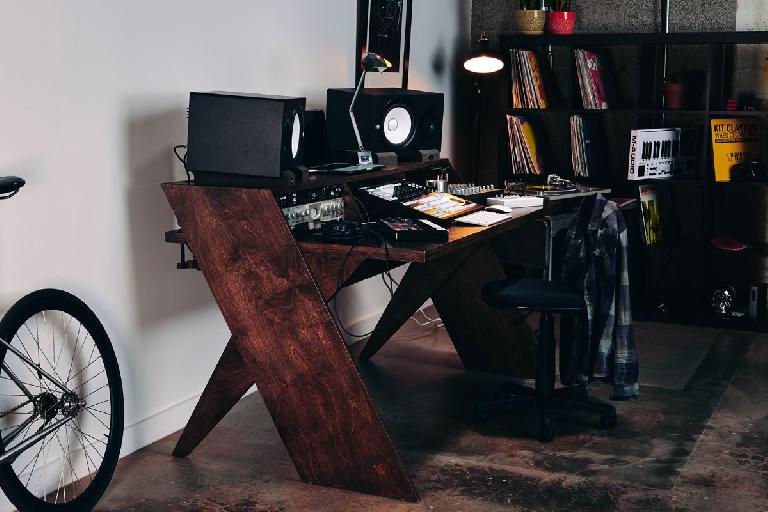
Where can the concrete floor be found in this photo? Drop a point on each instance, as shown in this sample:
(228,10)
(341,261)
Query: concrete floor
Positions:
(696,440)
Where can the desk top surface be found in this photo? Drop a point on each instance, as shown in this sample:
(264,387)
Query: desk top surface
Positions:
(459,237)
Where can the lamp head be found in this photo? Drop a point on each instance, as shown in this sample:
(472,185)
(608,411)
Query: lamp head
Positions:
(483,60)
(375,62)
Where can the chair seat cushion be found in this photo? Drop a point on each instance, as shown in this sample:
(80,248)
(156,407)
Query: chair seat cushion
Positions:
(534,295)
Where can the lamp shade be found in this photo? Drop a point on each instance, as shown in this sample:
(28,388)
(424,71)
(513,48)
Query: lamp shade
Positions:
(483,60)
(375,62)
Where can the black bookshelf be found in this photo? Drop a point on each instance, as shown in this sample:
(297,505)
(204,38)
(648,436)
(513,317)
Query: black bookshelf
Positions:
(633,66)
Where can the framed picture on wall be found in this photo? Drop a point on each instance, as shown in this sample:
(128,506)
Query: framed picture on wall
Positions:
(384,27)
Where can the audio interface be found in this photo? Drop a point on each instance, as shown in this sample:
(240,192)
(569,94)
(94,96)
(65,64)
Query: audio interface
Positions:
(312,207)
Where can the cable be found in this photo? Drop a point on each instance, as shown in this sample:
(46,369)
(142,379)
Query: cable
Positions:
(335,301)
(183,160)
(340,282)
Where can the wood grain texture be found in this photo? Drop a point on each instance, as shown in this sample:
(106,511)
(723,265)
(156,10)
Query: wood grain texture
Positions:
(487,340)
(284,331)
(231,378)
(418,284)
(326,269)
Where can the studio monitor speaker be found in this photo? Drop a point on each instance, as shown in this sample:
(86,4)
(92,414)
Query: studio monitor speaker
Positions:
(390,120)
(245,134)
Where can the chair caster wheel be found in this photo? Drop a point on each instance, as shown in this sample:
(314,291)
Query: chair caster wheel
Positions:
(481,414)
(546,432)
(608,420)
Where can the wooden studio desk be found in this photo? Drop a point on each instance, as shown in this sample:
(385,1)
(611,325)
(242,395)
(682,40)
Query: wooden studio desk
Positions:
(273,290)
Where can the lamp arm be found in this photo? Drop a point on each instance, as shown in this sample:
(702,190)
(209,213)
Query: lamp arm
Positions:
(351,110)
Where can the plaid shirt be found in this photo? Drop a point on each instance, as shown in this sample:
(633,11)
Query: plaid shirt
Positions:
(596,259)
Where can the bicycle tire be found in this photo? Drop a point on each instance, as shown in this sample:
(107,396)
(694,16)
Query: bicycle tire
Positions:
(30,306)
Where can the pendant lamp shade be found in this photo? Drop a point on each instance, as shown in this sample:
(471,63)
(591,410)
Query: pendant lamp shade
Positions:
(483,60)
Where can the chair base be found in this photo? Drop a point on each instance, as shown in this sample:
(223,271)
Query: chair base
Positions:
(572,399)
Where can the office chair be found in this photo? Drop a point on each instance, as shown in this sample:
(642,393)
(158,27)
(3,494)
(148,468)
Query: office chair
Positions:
(548,298)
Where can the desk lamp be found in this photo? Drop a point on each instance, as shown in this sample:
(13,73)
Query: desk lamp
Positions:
(370,62)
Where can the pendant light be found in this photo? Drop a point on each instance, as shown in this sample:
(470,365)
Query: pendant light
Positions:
(483,60)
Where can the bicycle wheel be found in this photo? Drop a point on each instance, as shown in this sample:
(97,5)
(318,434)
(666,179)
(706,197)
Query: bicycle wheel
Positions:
(72,394)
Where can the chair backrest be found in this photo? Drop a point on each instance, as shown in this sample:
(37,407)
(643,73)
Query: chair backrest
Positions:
(562,238)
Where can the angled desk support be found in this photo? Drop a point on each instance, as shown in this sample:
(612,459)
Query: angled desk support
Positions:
(272,292)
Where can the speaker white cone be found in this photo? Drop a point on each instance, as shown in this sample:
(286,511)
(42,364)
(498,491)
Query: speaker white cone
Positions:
(397,125)
(295,135)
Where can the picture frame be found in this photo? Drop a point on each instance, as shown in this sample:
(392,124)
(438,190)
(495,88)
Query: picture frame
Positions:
(384,27)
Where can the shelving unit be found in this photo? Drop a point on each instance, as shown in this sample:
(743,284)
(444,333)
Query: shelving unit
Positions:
(633,69)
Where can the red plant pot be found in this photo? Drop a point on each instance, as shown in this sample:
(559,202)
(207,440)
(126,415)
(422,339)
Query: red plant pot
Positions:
(561,23)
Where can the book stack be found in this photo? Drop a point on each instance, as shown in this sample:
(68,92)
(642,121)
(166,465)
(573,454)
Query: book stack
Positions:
(527,85)
(593,95)
(581,147)
(524,153)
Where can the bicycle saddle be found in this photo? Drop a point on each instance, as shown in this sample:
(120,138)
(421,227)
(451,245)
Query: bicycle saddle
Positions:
(10,184)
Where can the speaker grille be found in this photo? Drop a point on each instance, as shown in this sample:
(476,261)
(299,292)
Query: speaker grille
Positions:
(398,125)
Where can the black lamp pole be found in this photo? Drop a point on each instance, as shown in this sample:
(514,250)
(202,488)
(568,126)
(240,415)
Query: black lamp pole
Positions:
(476,126)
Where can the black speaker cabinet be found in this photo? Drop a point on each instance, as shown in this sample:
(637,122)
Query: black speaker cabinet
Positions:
(316,150)
(245,134)
(397,120)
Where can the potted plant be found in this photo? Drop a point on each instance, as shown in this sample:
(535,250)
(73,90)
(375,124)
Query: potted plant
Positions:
(674,92)
(562,19)
(531,18)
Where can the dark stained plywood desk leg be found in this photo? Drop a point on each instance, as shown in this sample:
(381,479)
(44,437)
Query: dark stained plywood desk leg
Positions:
(487,340)
(228,383)
(418,284)
(286,337)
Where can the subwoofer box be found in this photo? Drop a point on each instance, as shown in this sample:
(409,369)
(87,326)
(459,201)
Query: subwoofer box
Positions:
(402,121)
(245,134)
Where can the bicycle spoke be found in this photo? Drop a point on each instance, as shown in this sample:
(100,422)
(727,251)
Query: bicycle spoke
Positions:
(96,390)
(74,353)
(97,410)
(13,411)
(99,403)
(88,460)
(46,357)
(93,377)
(34,461)
(97,418)
(68,455)
(86,366)
(92,437)
(21,342)
(61,475)
(23,382)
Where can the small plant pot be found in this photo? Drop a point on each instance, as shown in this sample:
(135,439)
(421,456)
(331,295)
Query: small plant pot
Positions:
(561,23)
(531,21)
(674,96)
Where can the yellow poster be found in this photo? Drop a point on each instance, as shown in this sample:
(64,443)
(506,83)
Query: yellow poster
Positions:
(734,141)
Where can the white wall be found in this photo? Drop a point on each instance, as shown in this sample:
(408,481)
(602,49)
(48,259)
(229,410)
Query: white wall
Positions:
(92,98)
(751,74)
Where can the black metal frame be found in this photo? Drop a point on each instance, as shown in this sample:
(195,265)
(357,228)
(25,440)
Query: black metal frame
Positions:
(362,38)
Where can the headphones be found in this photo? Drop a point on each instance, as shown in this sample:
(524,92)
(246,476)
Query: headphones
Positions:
(344,232)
